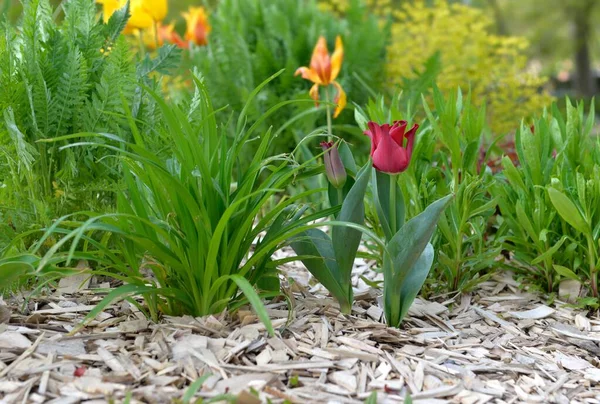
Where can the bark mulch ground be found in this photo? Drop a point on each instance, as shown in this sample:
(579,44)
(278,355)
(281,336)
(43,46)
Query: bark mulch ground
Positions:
(495,345)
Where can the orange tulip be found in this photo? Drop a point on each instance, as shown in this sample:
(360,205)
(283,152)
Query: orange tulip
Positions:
(198,27)
(162,34)
(323,71)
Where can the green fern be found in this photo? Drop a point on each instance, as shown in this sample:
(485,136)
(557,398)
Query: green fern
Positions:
(61,78)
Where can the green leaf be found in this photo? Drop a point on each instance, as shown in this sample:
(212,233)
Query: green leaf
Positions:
(372,399)
(13,268)
(567,210)
(550,252)
(566,272)
(413,282)
(346,240)
(254,300)
(360,118)
(119,293)
(117,22)
(194,387)
(403,251)
(319,258)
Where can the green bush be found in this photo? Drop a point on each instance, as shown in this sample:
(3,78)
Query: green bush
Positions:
(252,39)
(550,201)
(59,78)
(193,230)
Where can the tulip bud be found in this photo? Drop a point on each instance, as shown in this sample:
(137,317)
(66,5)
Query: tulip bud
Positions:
(336,173)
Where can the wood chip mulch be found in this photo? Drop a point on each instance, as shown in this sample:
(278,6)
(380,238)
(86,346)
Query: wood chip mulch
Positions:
(496,345)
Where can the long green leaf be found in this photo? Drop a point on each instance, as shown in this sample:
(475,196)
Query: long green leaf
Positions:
(405,248)
(254,300)
(568,211)
(345,240)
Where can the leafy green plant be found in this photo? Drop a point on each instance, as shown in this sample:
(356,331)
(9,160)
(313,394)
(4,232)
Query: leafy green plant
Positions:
(192,231)
(549,200)
(58,78)
(251,39)
(447,160)
(331,259)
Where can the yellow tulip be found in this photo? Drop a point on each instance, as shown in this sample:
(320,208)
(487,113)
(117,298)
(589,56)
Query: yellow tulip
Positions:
(144,13)
(323,71)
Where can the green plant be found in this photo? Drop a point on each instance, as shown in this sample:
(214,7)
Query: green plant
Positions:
(58,78)
(251,39)
(331,259)
(447,160)
(192,231)
(549,200)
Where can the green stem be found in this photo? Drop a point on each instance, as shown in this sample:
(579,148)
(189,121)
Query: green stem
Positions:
(329,129)
(393,220)
(141,44)
(340,195)
(593,272)
(156,34)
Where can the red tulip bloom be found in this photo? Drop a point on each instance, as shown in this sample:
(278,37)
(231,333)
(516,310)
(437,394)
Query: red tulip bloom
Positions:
(388,151)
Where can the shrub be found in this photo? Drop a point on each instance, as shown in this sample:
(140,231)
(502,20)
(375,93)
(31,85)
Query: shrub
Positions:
(494,66)
(194,229)
(549,201)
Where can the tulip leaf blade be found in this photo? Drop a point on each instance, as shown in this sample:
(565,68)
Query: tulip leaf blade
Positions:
(345,239)
(404,250)
(401,298)
(316,251)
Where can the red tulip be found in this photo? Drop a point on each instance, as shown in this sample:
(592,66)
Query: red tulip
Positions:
(388,151)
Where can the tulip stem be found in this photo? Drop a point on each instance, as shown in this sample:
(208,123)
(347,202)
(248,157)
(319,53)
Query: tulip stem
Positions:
(340,195)
(329,126)
(393,184)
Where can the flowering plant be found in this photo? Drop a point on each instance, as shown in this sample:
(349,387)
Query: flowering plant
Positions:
(408,253)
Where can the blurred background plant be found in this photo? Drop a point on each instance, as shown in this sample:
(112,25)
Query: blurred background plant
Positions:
(58,78)
(494,67)
(251,39)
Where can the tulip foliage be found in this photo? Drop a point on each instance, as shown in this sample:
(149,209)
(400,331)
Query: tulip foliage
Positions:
(331,259)
(408,253)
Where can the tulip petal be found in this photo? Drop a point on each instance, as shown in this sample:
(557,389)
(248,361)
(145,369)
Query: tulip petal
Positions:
(389,157)
(340,99)
(336,58)
(314,94)
(374,133)
(410,136)
(308,74)
(320,62)
(397,132)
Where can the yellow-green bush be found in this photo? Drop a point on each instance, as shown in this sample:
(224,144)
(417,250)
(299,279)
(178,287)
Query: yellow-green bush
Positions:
(378,7)
(494,66)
